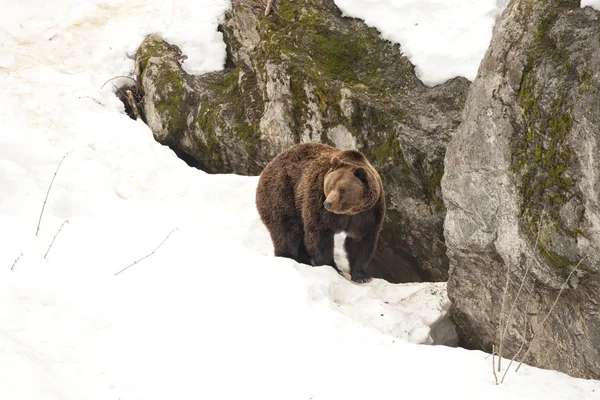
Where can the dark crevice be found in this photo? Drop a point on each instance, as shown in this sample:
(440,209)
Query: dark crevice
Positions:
(138,95)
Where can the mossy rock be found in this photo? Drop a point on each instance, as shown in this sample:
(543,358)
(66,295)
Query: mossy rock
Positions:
(555,79)
(521,183)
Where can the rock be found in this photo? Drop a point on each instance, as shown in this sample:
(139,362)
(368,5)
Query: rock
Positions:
(305,73)
(521,184)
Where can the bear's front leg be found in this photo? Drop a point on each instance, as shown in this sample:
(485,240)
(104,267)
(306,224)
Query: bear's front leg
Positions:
(359,251)
(319,245)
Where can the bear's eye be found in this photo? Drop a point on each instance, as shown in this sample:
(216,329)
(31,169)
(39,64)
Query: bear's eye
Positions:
(342,191)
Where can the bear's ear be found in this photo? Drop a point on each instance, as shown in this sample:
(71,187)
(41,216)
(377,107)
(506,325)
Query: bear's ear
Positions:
(361,174)
(335,162)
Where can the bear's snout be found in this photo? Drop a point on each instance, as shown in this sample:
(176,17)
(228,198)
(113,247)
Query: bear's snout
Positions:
(327,204)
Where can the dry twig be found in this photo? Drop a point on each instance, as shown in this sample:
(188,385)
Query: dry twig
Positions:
(91,98)
(147,255)
(512,307)
(511,361)
(549,312)
(132,103)
(117,77)
(502,323)
(48,192)
(268,8)
(16,261)
(51,243)
(493,363)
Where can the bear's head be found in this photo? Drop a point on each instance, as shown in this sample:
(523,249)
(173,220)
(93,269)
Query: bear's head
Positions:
(350,188)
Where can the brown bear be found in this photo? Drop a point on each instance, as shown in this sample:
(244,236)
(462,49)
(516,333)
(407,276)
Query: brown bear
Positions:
(312,191)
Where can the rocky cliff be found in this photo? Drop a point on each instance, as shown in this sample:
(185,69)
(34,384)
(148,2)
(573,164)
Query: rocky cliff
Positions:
(305,73)
(521,187)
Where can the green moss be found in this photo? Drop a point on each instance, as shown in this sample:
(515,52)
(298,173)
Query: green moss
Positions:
(304,33)
(171,85)
(562,265)
(586,84)
(432,184)
(169,82)
(205,122)
(380,142)
(151,48)
(228,105)
(336,53)
(541,154)
(555,260)
(386,152)
(299,104)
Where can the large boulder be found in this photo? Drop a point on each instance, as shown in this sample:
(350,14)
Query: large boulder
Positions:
(305,73)
(521,186)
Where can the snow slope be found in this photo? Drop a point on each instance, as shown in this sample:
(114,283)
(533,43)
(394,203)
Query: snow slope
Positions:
(211,314)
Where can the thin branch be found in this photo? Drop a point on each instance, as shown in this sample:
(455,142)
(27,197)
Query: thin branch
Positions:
(60,229)
(502,314)
(119,90)
(117,77)
(549,311)
(526,312)
(132,104)
(493,363)
(511,361)
(16,261)
(512,307)
(48,192)
(91,98)
(147,255)
(268,8)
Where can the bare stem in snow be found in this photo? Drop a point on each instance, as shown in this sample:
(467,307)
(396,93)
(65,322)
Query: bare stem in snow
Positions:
(51,243)
(117,77)
(91,98)
(268,8)
(512,307)
(511,361)
(503,323)
(16,261)
(48,192)
(493,363)
(147,255)
(527,300)
(549,312)
(132,104)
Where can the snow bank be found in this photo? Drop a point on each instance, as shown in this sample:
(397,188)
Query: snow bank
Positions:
(442,38)
(592,3)
(211,314)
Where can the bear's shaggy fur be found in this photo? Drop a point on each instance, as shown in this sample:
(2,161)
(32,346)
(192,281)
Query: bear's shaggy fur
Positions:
(312,191)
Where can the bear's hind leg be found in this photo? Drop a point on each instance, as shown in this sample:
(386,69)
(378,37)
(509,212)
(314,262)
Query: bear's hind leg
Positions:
(359,253)
(303,256)
(320,248)
(288,244)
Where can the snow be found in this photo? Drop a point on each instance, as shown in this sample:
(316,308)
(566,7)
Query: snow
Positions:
(592,3)
(211,313)
(442,38)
